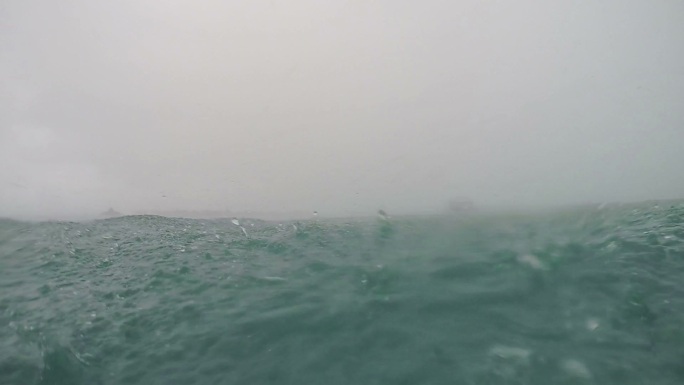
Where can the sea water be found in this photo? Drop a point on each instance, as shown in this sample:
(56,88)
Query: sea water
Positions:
(592,295)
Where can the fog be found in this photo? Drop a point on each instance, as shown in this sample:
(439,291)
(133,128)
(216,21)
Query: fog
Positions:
(342,107)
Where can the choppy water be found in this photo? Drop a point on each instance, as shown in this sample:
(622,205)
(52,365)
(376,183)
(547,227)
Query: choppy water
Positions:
(591,296)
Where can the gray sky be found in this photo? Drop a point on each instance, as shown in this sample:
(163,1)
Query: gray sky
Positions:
(337,106)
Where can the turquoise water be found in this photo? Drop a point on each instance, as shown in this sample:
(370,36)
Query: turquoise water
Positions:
(585,296)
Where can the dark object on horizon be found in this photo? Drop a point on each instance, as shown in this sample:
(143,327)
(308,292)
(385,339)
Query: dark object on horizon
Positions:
(386,228)
(111,213)
(383,215)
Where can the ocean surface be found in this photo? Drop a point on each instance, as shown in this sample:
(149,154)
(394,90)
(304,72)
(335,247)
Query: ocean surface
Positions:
(592,295)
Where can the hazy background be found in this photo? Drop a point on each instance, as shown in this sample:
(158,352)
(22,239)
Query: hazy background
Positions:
(341,107)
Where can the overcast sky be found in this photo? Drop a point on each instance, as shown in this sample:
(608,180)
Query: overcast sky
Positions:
(337,106)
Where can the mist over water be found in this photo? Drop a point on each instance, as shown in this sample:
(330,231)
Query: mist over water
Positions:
(343,108)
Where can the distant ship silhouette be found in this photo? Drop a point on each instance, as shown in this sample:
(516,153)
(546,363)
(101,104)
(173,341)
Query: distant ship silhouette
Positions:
(111,213)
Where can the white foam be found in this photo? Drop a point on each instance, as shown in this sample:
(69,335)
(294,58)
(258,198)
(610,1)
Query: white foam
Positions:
(575,368)
(531,261)
(592,324)
(510,352)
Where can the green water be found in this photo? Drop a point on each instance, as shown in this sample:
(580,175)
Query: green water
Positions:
(586,296)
